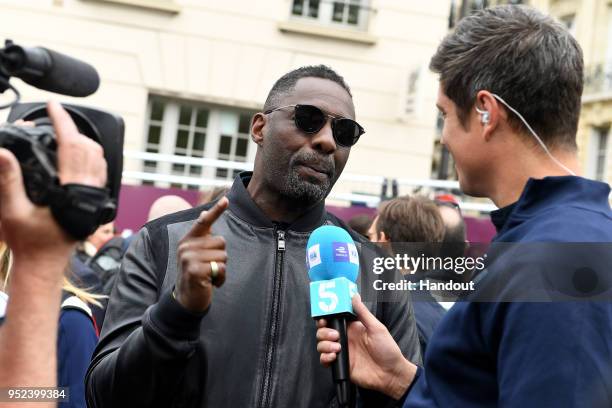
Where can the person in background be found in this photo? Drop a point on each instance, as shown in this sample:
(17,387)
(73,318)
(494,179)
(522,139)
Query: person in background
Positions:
(360,223)
(412,226)
(77,339)
(167,204)
(102,235)
(454,224)
(88,248)
(84,276)
(454,245)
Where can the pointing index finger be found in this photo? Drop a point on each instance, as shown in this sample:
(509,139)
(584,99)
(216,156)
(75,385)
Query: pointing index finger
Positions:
(208,218)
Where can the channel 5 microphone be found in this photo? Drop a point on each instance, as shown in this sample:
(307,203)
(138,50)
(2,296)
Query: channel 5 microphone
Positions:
(333,264)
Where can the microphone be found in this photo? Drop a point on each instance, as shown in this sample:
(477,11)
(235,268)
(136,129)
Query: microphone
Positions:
(333,264)
(49,70)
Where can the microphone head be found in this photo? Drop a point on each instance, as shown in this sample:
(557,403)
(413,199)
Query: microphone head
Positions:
(331,253)
(54,72)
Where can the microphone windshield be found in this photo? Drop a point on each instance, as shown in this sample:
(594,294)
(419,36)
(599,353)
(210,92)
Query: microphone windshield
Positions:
(68,76)
(331,253)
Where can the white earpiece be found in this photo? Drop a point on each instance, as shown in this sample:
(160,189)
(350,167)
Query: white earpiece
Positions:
(485,116)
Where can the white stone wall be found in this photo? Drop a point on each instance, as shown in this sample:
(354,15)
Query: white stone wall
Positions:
(230,52)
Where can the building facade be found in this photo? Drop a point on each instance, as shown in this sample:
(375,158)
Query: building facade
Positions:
(186,75)
(590,21)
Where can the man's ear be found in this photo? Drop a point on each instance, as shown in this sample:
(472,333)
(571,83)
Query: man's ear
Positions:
(490,113)
(382,237)
(257,125)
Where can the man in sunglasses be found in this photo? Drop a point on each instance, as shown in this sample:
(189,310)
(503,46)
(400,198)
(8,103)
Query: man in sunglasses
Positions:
(166,343)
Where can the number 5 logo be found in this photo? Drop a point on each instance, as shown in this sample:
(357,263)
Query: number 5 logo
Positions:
(332,298)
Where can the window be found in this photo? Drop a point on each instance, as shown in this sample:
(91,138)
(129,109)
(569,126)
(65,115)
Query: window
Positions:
(190,139)
(306,8)
(344,13)
(156,116)
(413,98)
(234,141)
(598,149)
(194,130)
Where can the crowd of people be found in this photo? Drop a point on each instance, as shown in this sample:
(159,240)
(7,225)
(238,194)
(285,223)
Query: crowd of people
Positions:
(209,305)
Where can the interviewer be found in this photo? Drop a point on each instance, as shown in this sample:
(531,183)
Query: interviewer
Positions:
(511,80)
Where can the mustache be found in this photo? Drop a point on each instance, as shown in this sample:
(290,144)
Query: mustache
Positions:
(324,164)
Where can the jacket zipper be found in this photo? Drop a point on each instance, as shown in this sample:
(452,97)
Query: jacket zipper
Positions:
(266,388)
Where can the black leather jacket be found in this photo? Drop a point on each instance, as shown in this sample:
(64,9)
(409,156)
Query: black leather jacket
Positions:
(254,347)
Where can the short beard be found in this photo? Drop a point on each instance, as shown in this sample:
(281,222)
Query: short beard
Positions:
(297,189)
(304,191)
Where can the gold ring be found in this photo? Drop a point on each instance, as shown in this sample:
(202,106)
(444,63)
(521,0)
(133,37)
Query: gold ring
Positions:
(215,269)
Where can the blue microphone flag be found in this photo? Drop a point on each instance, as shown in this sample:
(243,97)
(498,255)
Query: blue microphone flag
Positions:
(333,264)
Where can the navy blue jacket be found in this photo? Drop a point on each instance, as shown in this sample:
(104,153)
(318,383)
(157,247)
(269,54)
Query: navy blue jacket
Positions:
(519,354)
(76,342)
(428,314)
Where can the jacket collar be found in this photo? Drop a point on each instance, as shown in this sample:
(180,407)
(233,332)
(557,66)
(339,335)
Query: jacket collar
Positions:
(501,215)
(243,206)
(540,195)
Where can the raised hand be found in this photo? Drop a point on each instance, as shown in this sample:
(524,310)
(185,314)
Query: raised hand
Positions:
(202,259)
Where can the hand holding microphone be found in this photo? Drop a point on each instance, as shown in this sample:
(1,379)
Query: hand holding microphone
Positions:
(334,264)
(363,351)
(376,361)
(202,259)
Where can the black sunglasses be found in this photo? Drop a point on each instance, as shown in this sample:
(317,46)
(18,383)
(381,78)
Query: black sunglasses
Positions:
(310,119)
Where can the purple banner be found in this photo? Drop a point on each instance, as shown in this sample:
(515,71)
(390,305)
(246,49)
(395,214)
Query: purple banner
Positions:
(135,202)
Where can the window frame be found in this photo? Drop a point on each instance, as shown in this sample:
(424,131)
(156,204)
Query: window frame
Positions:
(598,153)
(170,126)
(325,14)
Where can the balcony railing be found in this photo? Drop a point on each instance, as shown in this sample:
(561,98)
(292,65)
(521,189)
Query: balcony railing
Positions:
(598,79)
(369,187)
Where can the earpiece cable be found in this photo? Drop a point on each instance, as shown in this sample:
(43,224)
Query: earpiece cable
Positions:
(557,162)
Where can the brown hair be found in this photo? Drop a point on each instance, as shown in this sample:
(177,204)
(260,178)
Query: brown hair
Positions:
(525,57)
(410,219)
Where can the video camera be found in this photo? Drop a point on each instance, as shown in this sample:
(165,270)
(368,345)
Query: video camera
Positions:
(79,209)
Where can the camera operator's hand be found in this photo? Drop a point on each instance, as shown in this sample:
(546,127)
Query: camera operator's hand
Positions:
(196,251)
(41,250)
(31,231)
(80,160)
(376,361)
